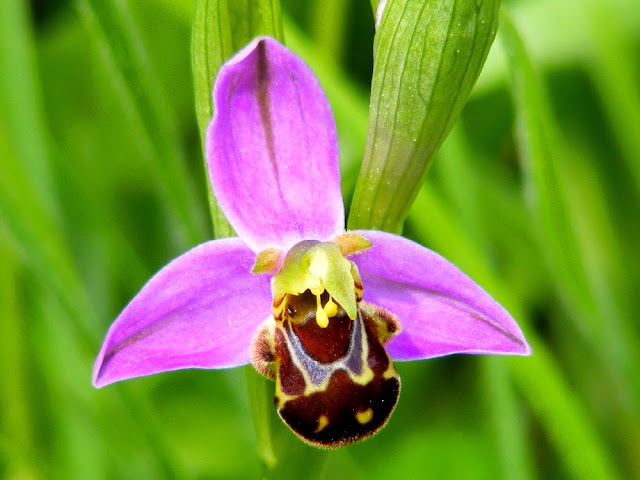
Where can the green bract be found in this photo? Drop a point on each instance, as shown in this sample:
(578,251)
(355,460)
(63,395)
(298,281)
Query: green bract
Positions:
(427,57)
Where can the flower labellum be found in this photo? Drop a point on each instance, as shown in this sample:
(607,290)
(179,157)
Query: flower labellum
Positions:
(335,383)
(321,311)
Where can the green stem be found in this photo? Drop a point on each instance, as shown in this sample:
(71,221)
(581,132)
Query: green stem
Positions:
(210,48)
(260,398)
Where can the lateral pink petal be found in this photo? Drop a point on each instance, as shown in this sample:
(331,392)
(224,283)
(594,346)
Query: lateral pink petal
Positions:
(440,309)
(272,149)
(200,311)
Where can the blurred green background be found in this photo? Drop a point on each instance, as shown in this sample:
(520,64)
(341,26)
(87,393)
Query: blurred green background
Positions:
(536,194)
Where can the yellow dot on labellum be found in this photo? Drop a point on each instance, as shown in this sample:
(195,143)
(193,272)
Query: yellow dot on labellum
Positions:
(323,421)
(364,416)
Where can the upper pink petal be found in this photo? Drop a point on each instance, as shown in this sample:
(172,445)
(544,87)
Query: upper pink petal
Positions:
(272,149)
(440,309)
(200,311)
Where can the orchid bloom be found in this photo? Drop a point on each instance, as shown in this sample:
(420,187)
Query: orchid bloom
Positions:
(320,310)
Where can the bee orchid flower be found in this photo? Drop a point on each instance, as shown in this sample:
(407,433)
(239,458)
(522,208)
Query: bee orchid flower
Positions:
(322,311)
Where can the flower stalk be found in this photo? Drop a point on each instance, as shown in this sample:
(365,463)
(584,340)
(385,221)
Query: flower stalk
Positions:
(260,399)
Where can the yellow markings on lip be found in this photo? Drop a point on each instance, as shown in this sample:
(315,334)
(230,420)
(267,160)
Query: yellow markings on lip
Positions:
(323,421)
(390,372)
(281,398)
(365,416)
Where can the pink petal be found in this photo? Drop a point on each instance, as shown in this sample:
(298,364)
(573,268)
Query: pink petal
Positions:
(272,149)
(200,311)
(440,309)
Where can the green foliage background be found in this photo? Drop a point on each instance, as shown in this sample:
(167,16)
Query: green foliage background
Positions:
(536,194)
